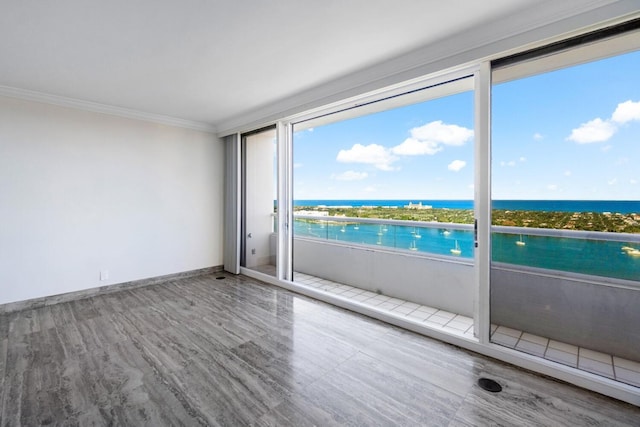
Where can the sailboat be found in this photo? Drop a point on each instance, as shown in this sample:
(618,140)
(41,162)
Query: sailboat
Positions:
(456,250)
(416,233)
(631,251)
(520,242)
(413,246)
(343,229)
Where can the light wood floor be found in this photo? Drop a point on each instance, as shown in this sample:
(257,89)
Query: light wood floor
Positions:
(234,351)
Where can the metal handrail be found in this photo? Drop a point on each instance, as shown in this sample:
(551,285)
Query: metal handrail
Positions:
(422,224)
(570,234)
(529,231)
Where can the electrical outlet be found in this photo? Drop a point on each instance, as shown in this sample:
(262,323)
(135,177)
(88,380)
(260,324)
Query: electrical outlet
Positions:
(104,275)
(253,251)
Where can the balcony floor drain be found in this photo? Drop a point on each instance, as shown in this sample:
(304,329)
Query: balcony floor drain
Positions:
(489,385)
(220,278)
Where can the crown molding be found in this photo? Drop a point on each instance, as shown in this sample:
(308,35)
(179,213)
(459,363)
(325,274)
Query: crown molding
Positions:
(95,107)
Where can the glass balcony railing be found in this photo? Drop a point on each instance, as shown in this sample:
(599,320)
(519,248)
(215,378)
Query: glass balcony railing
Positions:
(604,254)
(612,255)
(414,236)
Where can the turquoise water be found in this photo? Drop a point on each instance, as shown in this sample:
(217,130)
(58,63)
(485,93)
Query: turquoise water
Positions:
(433,240)
(596,257)
(600,258)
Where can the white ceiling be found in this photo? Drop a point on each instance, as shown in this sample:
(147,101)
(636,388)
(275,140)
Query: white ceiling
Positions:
(211,61)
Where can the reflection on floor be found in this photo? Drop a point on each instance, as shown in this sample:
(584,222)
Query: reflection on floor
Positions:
(606,365)
(225,350)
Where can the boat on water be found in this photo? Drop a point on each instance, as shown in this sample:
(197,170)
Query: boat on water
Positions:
(343,229)
(520,242)
(413,246)
(446,232)
(631,251)
(456,250)
(415,233)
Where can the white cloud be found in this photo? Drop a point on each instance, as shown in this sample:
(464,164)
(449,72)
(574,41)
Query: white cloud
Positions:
(606,148)
(430,139)
(511,163)
(372,154)
(457,165)
(503,163)
(552,187)
(613,181)
(537,136)
(633,181)
(443,133)
(350,176)
(310,130)
(523,159)
(596,130)
(297,165)
(567,173)
(414,147)
(370,189)
(626,112)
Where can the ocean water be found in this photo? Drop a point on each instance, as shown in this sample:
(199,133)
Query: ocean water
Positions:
(600,258)
(619,206)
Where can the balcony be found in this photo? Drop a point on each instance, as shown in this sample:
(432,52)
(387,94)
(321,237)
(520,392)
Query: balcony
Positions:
(424,272)
(426,263)
(583,358)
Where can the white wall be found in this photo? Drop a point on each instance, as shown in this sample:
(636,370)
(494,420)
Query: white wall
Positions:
(82,192)
(436,282)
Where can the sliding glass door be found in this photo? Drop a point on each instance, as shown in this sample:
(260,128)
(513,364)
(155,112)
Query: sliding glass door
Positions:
(384,198)
(565,270)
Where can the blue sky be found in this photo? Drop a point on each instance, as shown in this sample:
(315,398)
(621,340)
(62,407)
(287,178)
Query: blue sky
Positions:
(568,134)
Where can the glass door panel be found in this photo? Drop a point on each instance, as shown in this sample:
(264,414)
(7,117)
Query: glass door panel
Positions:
(259,185)
(384,198)
(565,270)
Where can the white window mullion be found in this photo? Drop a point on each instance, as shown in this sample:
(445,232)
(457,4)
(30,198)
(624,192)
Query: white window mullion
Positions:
(285,218)
(482,200)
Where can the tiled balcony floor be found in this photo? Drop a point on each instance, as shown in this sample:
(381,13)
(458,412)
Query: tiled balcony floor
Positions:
(606,365)
(429,316)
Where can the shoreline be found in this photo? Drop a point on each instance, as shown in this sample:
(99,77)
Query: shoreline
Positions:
(613,222)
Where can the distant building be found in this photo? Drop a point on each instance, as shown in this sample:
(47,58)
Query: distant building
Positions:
(311,213)
(418,206)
